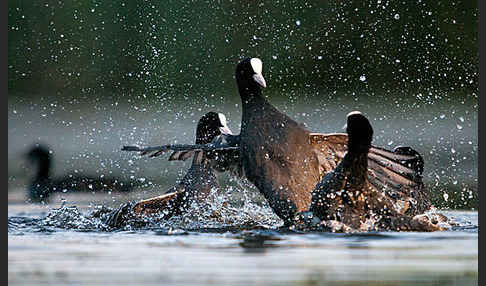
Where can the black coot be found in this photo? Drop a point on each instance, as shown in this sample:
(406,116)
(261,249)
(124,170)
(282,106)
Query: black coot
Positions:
(43,185)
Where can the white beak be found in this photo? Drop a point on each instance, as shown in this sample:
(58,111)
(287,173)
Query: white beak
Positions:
(258,77)
(225,130)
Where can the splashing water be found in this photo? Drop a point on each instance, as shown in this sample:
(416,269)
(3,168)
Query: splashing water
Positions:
(219,211)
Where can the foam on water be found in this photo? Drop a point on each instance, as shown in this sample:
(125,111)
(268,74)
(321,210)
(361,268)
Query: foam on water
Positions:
(220,215)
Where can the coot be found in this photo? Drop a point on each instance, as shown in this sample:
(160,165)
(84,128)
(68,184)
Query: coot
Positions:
(195,186)
(44,184)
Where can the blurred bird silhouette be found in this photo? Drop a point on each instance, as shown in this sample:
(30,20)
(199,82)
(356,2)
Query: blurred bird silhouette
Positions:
(43,185)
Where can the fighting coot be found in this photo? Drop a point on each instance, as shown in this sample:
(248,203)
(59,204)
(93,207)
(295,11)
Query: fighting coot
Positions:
(346,196)
(285,161)
(195,186)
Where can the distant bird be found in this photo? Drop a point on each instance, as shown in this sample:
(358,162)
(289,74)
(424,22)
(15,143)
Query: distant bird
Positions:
(43,185)
(285,161)
(195,186)
(346,195)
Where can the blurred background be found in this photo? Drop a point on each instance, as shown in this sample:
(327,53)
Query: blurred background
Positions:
(86,77)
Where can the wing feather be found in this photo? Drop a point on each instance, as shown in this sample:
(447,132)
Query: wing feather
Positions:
(397,173)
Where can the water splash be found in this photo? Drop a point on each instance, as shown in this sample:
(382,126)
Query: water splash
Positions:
(222,211)
(219,211)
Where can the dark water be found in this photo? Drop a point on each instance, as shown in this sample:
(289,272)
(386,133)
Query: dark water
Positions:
(232,244)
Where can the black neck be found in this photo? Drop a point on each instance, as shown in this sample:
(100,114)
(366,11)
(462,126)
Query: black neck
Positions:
(43,168)
(359,145)
(354,163)
(249,90)
(253,102)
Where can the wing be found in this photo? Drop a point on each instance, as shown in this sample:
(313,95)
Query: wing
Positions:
(221,144)
(223,152)
(160,150)
(398,173)
(330,149)
(185,151)
(168,203)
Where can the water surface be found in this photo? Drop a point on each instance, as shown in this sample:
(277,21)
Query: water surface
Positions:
(241,245)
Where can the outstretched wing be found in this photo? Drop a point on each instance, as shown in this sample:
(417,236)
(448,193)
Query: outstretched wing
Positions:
(184,151)
(330,149)
(398,173)
(155,151)
(165,205)
(225,146)
(223,152)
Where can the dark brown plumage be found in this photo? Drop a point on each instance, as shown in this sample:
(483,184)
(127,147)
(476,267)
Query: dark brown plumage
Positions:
(215,128)
(285,161)
(347,196)
(275,150)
